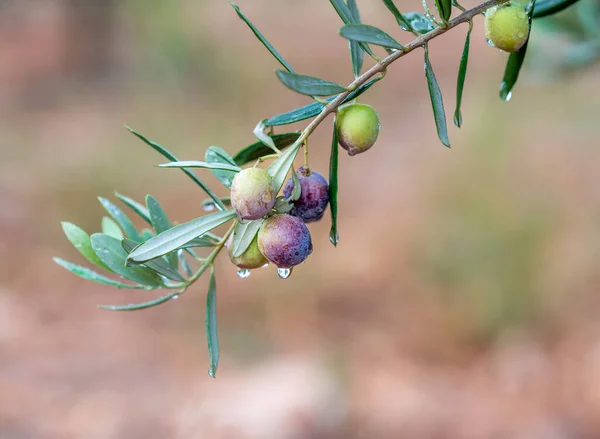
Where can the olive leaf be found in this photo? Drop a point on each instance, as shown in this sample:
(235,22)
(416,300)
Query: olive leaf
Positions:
(400,19)
(334,236)
(214,154)
(369,34)
(462,73)
(309,85)
(211,324)
(437,103)
(356,52)
(88,274)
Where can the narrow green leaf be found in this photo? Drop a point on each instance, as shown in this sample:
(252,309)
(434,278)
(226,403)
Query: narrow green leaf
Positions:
(356,52)
(179,235)
(214,154)
(161,223)
(309,85)
(419,22)
(280,167)
(258,149)
(544,8)
(137,306)
(88,274)
(515,62)
(462,74)
(444,8)
(262,39)
(211,324)
(400,19)
(199,164)
(259,132)
(347,17)
(138,208)
(147,234)
(159,265)
(369,34)
(243,235)
(297,189)
(165,153)
(81,241)
(334,236)
(311,110)
(111,228)
(437,103)
(122,219)
(112,254)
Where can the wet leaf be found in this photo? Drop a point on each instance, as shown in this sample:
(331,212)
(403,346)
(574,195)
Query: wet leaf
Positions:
(462,74)
(81,241)
(356,52)
(280,167)
(214,154)
(199,164)
(243,235)
(419,22)
(211,324)
(179,235)
(437,103)
(88,274)
(159,265)
(122,219)
(161,223)
(444,8)
(112,254)
(138,306)
(333,187)
(309,85)
(369,34)
(138,208)
(111,228)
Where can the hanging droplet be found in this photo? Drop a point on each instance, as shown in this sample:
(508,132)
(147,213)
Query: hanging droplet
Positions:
(243,274)
(508,96)
(265,266)
(334,239)
(175,297)
(211,373)
(490,42)
(209,207)
(284,273)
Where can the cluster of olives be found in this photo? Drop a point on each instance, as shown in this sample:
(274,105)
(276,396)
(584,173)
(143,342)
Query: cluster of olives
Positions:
(284,238)
(507,26)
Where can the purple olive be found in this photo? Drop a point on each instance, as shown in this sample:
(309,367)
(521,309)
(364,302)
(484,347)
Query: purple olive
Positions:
(314,195)
(252,194)
(284,240)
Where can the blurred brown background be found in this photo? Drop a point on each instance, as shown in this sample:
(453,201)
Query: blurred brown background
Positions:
(462,300)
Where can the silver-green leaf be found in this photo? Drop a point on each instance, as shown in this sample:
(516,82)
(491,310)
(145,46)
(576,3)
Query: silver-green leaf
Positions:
(437,103)
(88,274)
(369,34)
(243,235)
(309,85)
(214,154)
(178,236)
(112,254)
(122,219)
(211,324)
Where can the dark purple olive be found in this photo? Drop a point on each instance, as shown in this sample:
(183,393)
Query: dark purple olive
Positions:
(314,195)
(284,240)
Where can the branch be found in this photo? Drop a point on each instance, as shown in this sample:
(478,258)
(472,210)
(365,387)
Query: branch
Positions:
(382,65)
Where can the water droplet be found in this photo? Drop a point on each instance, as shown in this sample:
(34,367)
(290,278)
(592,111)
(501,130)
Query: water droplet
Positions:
(265,266)
(490,42)
(209,207)
(175,297)
(508,96)
(284,273)
(243,274)
(334,239)
(211,373)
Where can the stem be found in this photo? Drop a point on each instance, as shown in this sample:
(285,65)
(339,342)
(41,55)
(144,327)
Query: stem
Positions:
(381,66)
(208,262)
(306,153)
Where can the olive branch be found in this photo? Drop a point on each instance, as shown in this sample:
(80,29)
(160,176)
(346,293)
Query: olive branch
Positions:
(163,255)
